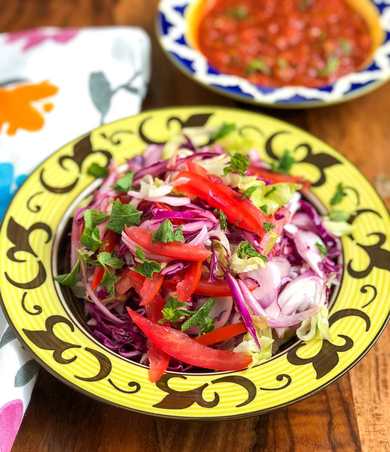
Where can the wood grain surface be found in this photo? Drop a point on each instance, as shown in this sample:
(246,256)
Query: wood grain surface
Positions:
(350,415)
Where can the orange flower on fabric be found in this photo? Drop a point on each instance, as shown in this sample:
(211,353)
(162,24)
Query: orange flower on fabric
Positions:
(23,106)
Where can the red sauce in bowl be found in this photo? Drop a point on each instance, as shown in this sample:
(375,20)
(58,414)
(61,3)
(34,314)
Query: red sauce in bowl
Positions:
(284,42)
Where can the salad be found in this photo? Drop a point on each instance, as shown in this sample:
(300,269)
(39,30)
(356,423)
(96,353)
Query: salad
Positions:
(200,255)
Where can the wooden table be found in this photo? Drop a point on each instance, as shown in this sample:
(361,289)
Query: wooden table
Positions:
(350,415)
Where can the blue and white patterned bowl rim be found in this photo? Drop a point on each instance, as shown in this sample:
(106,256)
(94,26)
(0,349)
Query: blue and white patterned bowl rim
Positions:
(171,25)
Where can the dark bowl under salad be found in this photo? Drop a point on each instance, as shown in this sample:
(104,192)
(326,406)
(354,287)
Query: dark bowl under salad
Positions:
(198,255)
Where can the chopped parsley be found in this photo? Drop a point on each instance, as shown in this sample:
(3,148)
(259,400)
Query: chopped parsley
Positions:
(97,171)
(245,250)
(107,259)
(331,66)
(339,194)
(123,215)
(249,191)
(346,46)
(201,318)
(239,12)
(268,226)
(91,236)
(285,163)
(222,131)
(69,279)
(258,65)
(264,208)
(222,220)
(146,267)
(269,193)
(322,249)
(109,280)
(125,182)
(238,164)
(174,310)
(165,233)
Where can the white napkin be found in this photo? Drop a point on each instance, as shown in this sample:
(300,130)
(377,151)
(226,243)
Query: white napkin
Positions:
(55,84)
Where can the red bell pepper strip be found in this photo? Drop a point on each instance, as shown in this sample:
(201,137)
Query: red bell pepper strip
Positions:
(186,287)
(150,288)
(173,250)
(158,360)
(222,334)
(239,211)
(218,288)
(128,279)
(178,345)
(276,178)
(110,240)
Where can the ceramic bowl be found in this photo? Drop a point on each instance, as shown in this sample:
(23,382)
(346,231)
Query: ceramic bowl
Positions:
(177,20)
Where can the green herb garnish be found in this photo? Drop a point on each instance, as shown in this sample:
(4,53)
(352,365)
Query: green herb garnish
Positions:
(239,12)
(107,259)
(109,280)
(238,164)
(201,318)
(222,220)
(249,191)
(346,46)
(146,267)
(173,311)
(264,208)
(96,170)
(222,131)
(285,163)
(165,233)
(123,215)
(257,65)
(69,279)
(322,249)
(268,226)
(269,193)
(245,250)
(91,236)
(339,194)
(331,66)
(125,182)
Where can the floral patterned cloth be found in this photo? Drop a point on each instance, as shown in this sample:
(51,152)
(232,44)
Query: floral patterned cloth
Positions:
(55,84)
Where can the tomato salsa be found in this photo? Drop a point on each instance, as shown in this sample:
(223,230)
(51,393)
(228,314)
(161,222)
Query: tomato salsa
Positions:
(284,42)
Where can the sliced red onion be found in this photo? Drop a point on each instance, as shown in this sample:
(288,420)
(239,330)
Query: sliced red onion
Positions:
(302,293)
(201,237)
(269,280)
(197,225)
(241,306)
(171,269)
(156,169)
(293,319)
(251,301)
(153,154)
(306,244)
(213,264)
(77,228)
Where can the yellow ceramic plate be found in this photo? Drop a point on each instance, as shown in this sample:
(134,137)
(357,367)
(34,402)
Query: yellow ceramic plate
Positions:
(36,306)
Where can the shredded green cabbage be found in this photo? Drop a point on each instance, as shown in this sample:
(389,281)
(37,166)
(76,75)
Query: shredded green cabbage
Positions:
(338,228)
(317,326)
(248,345)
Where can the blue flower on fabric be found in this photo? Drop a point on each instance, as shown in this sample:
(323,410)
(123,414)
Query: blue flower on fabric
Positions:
(8,183)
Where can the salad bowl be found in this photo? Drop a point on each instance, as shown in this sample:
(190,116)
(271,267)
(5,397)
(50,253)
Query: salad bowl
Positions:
(34,246)
(176,26)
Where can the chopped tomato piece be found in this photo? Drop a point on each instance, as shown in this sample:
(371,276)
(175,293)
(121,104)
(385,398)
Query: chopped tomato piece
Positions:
(178,345)
(108,244)
(239,211)
(276,178)
(173,250)
(187,286)
(218,288)
(150,288)
(128,279)
(222,334)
